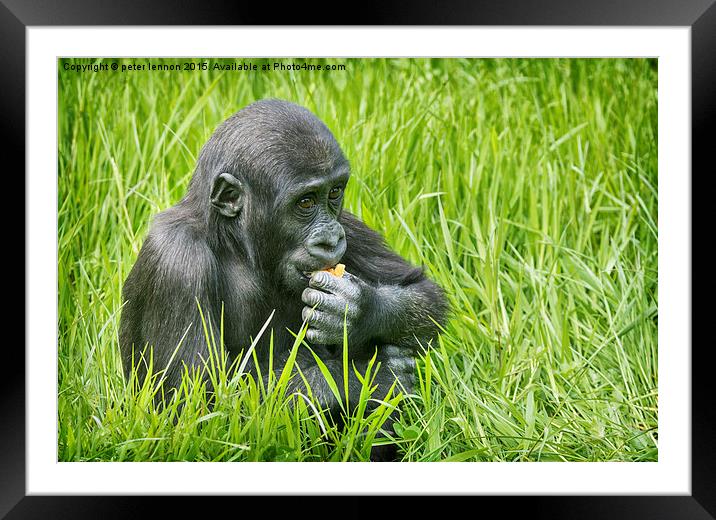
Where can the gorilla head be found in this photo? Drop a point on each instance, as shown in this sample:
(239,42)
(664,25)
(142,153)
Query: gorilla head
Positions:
(277,176)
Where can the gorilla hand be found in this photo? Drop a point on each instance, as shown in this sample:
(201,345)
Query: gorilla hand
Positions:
(335,299)
(400,364)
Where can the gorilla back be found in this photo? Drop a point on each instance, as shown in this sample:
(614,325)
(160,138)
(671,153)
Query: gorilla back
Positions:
(263,216)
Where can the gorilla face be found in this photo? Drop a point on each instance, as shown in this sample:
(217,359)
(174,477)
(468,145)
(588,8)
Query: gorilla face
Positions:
(311,209)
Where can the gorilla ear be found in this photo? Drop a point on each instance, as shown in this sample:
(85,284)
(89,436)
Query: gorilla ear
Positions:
(226,195)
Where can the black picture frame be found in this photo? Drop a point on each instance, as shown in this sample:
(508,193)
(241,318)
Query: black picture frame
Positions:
(699,15)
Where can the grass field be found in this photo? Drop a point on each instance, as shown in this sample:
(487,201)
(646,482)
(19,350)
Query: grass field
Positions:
(527,187)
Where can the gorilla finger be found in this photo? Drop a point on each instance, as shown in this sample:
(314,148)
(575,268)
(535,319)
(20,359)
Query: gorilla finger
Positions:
(391,351)
(306,313)
(340,307)
(406,379)
(326,302)
(404,364)
(313,297)
(321,320)
(319,337)
(326,282)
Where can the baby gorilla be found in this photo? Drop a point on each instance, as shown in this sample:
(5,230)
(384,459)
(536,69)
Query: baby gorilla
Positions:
(261,220)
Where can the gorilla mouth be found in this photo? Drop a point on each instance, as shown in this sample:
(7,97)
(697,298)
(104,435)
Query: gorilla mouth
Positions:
(305,275)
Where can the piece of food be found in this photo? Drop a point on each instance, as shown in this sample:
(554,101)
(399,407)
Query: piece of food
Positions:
(337,271)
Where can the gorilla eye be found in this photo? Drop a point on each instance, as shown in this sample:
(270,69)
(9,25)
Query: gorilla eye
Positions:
(335,193)
(306,202)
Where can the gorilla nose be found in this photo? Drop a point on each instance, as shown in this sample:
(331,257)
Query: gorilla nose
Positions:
(327,248)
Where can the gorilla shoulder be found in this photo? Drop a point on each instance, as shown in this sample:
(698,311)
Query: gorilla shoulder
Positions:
(178,253)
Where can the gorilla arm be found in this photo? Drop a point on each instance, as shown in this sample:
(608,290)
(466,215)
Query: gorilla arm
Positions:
(172,273)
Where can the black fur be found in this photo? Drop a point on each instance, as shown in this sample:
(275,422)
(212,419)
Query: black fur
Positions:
(243,245)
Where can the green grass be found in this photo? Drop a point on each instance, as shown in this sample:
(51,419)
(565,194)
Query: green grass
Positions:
(528,189)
